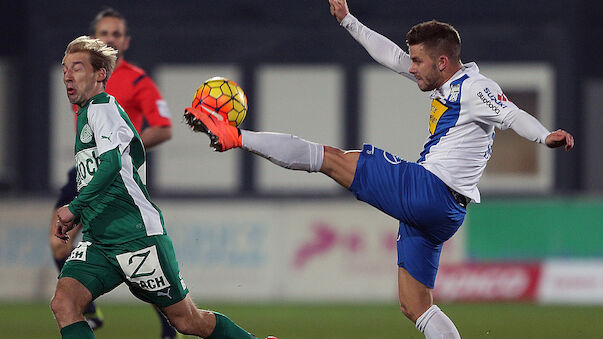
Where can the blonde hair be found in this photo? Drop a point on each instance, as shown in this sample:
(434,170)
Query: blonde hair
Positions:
(101,55)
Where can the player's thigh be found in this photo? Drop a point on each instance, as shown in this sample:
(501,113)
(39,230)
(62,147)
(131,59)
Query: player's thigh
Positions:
(418,254)
(415,298)
(71,292)
(151,270)
(89,264)
(381,180)
(340,165)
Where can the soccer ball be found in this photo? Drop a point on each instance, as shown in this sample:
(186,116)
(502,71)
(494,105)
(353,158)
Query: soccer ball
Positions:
(223,97)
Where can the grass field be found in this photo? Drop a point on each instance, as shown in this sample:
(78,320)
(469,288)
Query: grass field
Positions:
(339,321)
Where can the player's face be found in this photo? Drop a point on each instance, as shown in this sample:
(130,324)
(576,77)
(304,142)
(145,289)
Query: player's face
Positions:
(82,82)
(424,68)
(112,31)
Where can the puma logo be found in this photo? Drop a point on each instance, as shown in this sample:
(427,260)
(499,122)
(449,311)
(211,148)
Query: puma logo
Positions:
(106,137)
(164,294)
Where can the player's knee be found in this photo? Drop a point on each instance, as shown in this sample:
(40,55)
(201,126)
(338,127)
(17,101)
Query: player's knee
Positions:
(405,310)
(184,325)
(61,306)
(196,322)
(412,313)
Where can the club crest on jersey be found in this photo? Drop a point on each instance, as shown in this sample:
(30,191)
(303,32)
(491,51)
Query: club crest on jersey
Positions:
(142,268)
(455,90)
(437,110)
(86,134)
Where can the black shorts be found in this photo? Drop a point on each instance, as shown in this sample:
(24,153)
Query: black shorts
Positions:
(68,191)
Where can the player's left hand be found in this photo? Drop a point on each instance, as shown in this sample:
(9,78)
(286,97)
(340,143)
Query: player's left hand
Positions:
(560,138)
(65,223)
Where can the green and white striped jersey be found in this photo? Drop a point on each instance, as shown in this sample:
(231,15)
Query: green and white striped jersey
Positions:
(113,204)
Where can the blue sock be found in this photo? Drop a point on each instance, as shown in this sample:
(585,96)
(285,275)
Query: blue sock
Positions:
(90,309)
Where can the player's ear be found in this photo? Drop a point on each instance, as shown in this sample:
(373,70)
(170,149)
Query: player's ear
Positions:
(101,74)
(442,62)
(126,44)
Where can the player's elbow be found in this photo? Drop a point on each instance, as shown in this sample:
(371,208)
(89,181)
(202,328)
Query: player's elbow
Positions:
(167,133)
(164,134)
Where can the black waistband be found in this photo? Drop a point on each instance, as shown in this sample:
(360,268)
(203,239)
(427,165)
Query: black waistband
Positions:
(459,198)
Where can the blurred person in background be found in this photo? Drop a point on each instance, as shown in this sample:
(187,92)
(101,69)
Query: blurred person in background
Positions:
(124,237)
(140,98)
(429,197)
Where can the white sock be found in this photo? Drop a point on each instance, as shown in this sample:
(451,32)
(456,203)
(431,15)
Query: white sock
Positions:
(285,150)
(436,325)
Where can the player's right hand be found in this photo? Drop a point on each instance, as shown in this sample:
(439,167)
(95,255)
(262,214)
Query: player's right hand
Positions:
(61,230)
(339,9)
(65,223)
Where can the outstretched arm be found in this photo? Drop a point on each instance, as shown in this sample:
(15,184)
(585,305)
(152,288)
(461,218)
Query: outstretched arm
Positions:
(380,48)
(530,128)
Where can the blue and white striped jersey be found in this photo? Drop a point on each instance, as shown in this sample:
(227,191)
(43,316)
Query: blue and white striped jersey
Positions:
(464,112)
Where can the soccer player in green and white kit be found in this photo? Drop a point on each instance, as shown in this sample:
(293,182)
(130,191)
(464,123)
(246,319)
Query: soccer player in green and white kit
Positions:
(124,239)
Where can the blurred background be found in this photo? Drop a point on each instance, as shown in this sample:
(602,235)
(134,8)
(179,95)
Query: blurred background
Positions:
(248,232)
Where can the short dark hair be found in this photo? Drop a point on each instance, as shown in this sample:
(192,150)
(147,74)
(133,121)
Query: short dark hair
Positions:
(438,37)
(107,13)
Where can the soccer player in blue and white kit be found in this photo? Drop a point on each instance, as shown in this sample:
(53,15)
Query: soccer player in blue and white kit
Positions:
(429,197)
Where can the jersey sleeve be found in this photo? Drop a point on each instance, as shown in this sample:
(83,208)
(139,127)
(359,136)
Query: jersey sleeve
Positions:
(152,105)
(526,126)
(109,128)
(380,48)
(488,104)
(108,169)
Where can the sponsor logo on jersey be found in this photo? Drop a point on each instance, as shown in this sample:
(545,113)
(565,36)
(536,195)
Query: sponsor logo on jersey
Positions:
(86,134)
(489,103)
(142,268)
(494,99)
(86,164)
(437,110)
(79,253)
